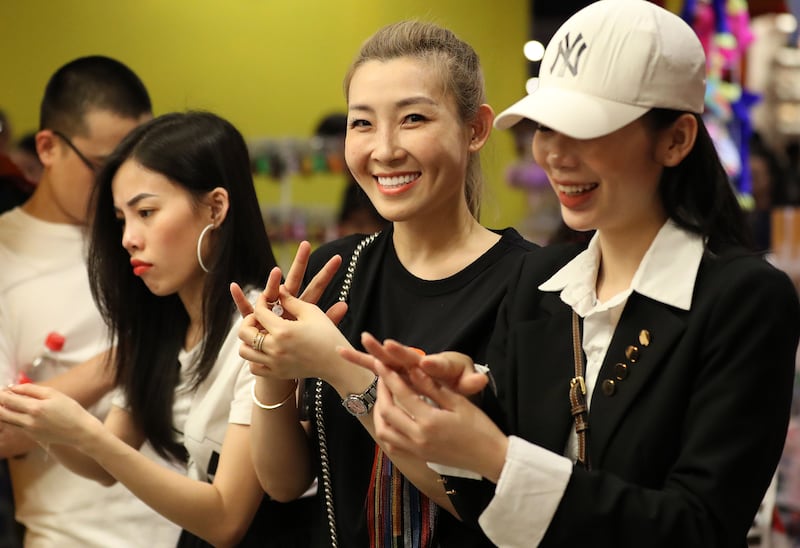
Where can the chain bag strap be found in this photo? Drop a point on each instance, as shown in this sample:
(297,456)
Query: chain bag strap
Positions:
(327,486)
(577,395)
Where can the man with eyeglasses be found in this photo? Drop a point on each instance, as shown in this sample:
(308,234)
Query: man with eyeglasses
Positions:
(89,105)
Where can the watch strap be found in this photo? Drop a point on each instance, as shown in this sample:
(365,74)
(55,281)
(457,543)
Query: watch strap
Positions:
(366,398)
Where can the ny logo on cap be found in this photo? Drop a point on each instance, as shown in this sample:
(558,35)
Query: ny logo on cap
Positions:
(569,54)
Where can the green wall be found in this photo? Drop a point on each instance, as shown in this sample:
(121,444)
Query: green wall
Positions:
(271,67)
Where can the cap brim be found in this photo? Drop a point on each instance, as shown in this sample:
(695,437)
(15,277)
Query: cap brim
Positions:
(570,112)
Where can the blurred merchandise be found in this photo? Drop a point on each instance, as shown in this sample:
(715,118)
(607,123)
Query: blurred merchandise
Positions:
(298,181)
(786,241)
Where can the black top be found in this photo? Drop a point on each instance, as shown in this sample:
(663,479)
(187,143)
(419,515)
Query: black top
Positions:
(456,313)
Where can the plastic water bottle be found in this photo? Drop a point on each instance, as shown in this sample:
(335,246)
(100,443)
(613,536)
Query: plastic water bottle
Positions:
(47,362)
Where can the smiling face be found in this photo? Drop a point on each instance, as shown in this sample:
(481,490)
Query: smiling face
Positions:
(406,144)
(609,183)
(161,225)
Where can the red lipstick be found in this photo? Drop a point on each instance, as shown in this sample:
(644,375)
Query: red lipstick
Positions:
(140,267)
(574,195)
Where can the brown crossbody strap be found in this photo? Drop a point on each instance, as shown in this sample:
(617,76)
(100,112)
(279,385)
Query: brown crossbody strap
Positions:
(577,395)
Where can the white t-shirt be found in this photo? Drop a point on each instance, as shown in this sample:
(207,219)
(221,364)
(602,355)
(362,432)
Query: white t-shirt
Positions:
(203,415)
(44,288)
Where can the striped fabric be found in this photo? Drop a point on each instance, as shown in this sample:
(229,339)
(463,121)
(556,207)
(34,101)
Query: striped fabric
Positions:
(398,515)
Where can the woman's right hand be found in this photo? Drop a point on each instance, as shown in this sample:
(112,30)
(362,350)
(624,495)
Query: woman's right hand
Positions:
(45,414)
(294,280)
(415,415)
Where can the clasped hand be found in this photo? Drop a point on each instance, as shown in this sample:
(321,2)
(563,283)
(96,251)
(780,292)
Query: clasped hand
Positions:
(300,342)
(423,406)
(44,414)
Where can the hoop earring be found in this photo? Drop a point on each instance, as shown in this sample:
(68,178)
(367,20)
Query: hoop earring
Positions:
(200,245)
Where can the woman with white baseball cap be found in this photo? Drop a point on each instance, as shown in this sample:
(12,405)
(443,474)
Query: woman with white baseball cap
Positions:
(645,379)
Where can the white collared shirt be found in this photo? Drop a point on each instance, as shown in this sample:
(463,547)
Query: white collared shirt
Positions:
(533,480)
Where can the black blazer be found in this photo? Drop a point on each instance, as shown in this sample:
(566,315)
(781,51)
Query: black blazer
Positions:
(684,433)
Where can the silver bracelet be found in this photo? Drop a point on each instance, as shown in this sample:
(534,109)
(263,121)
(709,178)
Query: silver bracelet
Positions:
(276,405)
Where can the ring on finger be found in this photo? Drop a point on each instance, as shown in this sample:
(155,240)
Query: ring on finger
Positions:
(258,340)
(276,307)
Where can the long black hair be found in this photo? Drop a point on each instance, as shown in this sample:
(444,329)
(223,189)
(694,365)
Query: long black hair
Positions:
(697,193)
(198,151)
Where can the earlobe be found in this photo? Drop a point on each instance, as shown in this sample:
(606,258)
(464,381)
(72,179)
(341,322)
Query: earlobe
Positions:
(678,140)
(45,146)
(219,203)
(481,127)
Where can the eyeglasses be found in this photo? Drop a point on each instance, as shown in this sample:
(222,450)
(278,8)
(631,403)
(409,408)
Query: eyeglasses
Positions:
(91,165)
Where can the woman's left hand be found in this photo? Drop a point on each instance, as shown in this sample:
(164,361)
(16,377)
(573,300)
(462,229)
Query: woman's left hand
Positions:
(264,361)
(45,414)
(451,369)
(299,344)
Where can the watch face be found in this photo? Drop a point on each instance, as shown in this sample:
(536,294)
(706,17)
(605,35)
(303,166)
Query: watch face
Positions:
(356,406)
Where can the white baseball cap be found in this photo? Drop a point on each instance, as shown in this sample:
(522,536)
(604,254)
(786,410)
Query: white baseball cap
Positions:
(610,63)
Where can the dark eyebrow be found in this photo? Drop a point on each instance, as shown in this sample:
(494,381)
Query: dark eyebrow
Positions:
(139,198)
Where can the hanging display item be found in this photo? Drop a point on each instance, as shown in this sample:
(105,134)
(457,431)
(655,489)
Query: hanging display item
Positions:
(278,157)
(723,27)
(283,164)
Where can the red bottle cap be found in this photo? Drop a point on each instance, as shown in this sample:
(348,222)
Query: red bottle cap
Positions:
(22,378)
(54,341)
